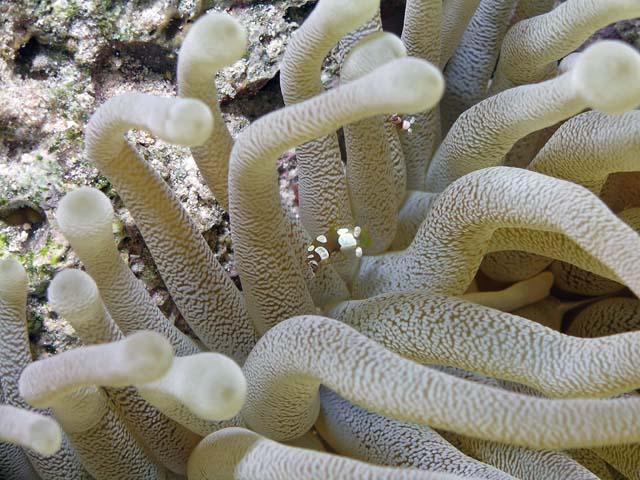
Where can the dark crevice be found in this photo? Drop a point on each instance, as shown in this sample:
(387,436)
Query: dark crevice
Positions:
(298,14)
(172,27)
(25,55)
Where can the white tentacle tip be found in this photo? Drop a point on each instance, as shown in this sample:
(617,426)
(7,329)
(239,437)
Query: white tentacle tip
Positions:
(210,385)
(84,211)
(345,16)
(30,430)
(606,75)
(71,290)
(188,122)
(13,277)
(45,436)
(222,390)
(216,39)
(149,356)
(412,85)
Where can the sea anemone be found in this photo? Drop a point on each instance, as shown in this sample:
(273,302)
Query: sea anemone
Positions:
(401,326)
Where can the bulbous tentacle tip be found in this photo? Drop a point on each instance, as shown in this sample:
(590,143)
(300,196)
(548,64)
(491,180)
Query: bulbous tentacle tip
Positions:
(69,287)
(372,51)
(45,436)
(215,39)
(188,122)
(606,75)
(13,277)
(84,211)
(148,354)
(344,15)
(568,62)
(416,84)
(222,388)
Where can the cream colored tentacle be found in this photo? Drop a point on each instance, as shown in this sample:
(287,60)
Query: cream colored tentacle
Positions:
(470,68)
(327,201)
(287,366)
(593,463)
(244,455)
(401,85)
(74,295)
(589,147)
(29,430)
(213,41)
(531,8)
(65,382)
(607,317)
(602,78)
(431,329)
(15,356)
(369,167)
(531,47)
(523,463)
(358,433)
(515,296)
(456,15)
(203,292)
(504,208)
(411,215)
(421,36)
(85,217)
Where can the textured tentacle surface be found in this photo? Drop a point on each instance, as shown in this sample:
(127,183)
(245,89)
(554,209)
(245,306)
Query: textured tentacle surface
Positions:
(367,436)
(66,383)
(205,295)
(524,463)
(532,45)
(287,366)
(484,134)
(214,41)
(440,330)
(590,146)
(107,447)
(320,203)
(75,296)
(370,167)
(401,85)
(594,463)
(15,356)
(456,15)
(421,36)
(625,458)
(469,71)
(85,217)
(411,215)
(445,256)
(607,317)
(255,457)
(513,265)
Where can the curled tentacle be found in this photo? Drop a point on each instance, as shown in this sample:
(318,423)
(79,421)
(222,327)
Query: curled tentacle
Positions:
(203,292)
(74,295)
(287,366)
(214,41)
(401,85)
(241,454)
(367,436)
(602,78)
(478,214)
(85,216)
(432,329)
